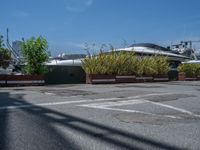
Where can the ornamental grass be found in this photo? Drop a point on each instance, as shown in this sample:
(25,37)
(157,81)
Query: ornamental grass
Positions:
(190,70)
(125,63)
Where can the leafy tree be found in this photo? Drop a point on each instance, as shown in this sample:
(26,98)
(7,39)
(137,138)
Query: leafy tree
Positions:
(34,51)
(5,55)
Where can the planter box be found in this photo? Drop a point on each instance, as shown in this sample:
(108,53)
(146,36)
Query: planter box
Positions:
(17,80)
(181,76)
(198,77)
(125,79)
(2,80)
(161,78)
(144,79)
(100,79)
(190,78)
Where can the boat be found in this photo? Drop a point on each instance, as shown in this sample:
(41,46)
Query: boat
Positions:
(70,62)
(192,62)
(185,48)
(66,60)
(140,49)
(149,49)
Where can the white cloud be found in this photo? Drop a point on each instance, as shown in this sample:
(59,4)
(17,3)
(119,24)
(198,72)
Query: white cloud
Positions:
(78,6)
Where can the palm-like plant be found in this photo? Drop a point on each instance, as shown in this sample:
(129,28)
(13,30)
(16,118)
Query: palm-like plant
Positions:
(145,66)
(125,63)
(160,65)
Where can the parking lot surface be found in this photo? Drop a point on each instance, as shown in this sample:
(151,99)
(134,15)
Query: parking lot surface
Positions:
(100,117)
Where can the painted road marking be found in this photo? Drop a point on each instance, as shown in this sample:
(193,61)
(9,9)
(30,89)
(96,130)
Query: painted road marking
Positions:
(175,108)
(117,103)
(43,104)
(133,111)
(132,100)
(107,105)
(76,101)
(48,93)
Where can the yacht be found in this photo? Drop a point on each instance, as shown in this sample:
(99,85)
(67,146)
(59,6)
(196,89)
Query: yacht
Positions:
(66,60)
(185,48)
(149,49)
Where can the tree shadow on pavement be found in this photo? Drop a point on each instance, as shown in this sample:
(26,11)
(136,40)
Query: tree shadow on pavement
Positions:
(42,119)
(25,129)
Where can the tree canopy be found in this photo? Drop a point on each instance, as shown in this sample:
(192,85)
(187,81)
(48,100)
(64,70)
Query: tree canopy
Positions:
(34,51)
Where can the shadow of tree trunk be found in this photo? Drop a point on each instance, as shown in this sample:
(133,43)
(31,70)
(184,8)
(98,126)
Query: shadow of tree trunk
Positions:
(41,120)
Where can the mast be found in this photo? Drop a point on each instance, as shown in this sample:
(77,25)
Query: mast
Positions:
(15,54)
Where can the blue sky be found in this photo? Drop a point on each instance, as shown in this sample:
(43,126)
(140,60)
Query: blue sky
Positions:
(68,24)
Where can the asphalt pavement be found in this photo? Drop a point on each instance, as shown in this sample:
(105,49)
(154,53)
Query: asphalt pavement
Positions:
(101,117)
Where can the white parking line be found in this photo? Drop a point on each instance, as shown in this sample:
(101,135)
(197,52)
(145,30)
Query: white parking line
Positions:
(117,103)
(48,93)
(107,105)
(133,111)
(175,108)
(76,101)
(43,104)
(132,100)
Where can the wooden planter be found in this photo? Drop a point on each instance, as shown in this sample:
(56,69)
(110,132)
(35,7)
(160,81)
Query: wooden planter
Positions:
(100,79)
(2,80)
(190,78)
(144,79)
(18,80)
(198,77)
(160,78)
(181,76)
(125,78)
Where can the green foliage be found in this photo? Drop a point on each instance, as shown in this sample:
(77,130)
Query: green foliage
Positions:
(121,63)
(5,55)
(35,54)
(151,65)
(160,65)
(198,70)
(5,58)
(190,70)
(145,66)
(125,63)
